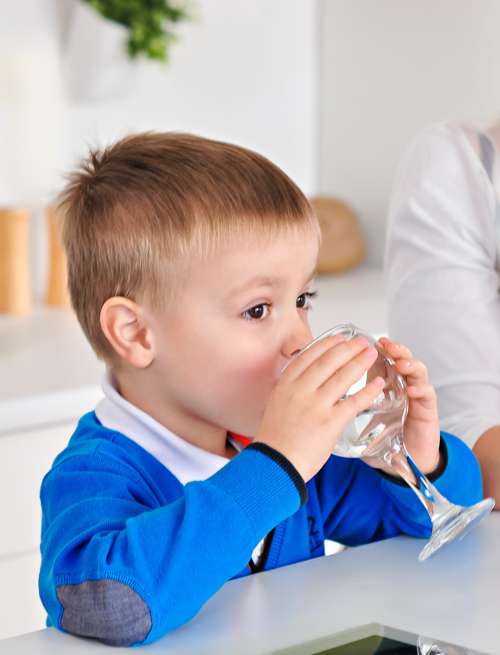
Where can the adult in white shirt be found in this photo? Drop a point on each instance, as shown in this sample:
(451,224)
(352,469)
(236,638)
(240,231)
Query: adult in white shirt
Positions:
(442,273)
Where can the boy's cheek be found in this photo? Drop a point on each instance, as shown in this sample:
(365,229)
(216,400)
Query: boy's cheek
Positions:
(249,391)
(253,369)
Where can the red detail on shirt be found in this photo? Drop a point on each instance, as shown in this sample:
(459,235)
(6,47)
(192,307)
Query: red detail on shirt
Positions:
(244,441)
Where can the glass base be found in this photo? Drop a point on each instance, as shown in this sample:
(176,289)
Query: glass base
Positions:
(458,525)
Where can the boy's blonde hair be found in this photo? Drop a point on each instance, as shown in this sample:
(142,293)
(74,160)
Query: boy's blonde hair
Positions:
(138,213)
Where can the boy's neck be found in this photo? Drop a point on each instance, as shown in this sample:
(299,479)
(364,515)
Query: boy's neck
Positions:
(182,423)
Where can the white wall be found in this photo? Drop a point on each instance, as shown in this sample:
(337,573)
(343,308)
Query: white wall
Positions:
(241,71)
(387,68)
(332,90)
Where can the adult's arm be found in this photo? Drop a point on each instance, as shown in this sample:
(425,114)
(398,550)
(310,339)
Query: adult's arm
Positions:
(487,451)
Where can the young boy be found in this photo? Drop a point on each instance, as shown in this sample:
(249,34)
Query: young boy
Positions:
(190,264)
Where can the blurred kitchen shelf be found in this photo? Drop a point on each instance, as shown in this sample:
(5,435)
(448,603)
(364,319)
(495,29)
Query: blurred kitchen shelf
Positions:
(49,374)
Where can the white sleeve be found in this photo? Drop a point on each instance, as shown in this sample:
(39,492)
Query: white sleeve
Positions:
(441,282)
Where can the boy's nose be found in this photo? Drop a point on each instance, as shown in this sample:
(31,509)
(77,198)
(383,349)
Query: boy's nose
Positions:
(296,342)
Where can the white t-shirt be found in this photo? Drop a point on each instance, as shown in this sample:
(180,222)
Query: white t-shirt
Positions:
(442,262)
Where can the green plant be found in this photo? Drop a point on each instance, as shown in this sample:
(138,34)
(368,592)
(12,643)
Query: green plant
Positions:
(148,22)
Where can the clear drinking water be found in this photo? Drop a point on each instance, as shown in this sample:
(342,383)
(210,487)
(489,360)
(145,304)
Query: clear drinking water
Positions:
(377,434)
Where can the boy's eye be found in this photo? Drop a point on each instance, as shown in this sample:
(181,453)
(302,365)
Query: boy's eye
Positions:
(308,296)
(256,313)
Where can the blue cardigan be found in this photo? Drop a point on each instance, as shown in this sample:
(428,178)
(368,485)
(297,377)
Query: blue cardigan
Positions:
(129,553)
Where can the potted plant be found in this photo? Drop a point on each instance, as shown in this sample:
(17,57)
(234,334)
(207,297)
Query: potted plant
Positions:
(148,23)
(106,38)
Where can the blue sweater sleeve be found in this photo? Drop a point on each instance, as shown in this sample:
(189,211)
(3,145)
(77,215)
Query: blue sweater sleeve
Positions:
(120,566)
(359,505)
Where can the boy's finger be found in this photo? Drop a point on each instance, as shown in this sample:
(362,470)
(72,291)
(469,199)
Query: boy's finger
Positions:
(338,383)
(349,408)
(332,362)
(294,367)
(414,371)
(394,349)
(324,366)
(421,391)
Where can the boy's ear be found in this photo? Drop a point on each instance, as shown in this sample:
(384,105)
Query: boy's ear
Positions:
(124,324)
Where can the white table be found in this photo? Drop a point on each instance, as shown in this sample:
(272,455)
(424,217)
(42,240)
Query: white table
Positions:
(453,596)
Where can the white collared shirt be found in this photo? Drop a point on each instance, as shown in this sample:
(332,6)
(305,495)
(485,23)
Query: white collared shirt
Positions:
(184,460)
(442,270)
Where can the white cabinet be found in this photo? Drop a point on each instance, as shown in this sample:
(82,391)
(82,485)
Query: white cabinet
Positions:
(25,457)
(20,607)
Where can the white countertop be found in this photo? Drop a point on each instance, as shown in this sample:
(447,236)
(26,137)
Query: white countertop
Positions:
(452,597)
(49,374)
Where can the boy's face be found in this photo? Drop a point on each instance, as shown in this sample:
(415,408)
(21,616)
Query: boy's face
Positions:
(215,360)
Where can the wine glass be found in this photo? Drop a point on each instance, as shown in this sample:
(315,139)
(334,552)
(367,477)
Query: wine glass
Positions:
(376,435)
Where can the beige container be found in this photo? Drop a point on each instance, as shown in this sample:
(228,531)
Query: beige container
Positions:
(56,294)
(343,244)
(16,295)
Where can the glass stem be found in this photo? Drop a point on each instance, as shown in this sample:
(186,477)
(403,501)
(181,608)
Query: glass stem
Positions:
(438,508)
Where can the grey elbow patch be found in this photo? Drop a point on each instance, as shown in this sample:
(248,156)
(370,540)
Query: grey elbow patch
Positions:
(106,610)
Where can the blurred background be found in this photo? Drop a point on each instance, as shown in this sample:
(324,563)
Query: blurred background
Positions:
(330,90)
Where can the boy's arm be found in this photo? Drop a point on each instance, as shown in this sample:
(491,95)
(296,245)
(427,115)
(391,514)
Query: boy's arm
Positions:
(360,504)
(121,566)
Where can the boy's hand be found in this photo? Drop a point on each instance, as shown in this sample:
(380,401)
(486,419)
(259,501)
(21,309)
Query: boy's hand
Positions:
(302,418)
(421,433)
